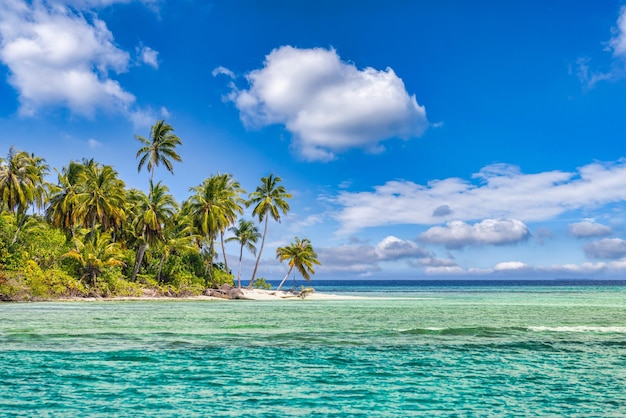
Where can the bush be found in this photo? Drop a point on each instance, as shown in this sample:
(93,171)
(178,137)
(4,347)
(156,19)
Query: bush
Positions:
(260,283)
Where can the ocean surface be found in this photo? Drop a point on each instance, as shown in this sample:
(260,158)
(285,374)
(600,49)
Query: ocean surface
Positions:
(550,348)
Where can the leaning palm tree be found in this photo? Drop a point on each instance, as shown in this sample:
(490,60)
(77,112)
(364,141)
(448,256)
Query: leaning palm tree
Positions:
(301,256)
(269,198)
(154,212)
(247,234)
(160,148)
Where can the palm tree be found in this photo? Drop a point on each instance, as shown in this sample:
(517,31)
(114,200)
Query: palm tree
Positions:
(301,256)
(101,198)
(177,237)
(22,184)
(213,207)
(22,181)
(269,198)
(96,254)
(155,211)
(62,210)
(232,202)
(160,148)
(247,234)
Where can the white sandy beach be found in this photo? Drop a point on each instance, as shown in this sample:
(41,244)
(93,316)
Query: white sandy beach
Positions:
(248,294)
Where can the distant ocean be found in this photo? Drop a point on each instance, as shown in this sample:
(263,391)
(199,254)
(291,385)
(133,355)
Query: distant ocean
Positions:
(479,348)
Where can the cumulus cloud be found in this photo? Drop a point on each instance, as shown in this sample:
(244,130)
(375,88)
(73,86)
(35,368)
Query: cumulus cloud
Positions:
(47,40)
(496,192)
(363,258)
(148,56)
(609,248)
(393,248)
(458,234)
(328,105)
(587,229)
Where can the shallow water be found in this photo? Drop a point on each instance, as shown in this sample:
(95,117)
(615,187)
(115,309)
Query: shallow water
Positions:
(468,352)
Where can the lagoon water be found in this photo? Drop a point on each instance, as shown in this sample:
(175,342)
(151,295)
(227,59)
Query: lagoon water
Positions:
(477,349)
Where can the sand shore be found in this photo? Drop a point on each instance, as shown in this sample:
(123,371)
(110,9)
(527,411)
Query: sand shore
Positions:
(248,294)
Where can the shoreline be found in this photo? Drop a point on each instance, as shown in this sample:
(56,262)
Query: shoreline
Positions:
(247,295)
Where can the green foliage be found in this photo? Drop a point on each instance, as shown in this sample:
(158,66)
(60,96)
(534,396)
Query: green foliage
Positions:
(100,239)
(260,283)
(111,283)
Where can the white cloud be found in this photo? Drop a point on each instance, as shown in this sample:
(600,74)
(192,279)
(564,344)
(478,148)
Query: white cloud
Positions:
(611,248)
(328,105)
(587,229)
(512,266)
(363,258)
(46,40)
(497,192)
(148,56)
(617,44)
(618,41)
(223,71)
(93,143)
(392,248)
(458,234)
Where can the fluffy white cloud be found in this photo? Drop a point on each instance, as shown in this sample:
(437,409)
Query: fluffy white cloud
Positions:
(328,105)
(587,229)
(611,248)
(458,234)
(362,258)
(57,56)
(393,248)
(148,56)
(497,192)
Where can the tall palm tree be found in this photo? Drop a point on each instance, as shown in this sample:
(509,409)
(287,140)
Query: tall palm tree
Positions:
(269,198)
(22,184)
(22,181)
(101,198)
(301,256)
(247,234)
(62,211)
(213,207)
(232,202)
(155,211)
(160,148)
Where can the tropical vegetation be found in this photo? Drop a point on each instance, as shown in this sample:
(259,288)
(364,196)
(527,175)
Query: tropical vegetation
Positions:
(87,234)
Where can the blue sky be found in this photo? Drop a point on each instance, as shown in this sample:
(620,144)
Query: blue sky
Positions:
(419,139)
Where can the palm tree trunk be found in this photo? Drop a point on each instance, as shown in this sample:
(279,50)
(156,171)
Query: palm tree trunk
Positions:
(161,267)
(239,271)
(256,266)
(284,278)
(19,227)
(140,253)
(224,251)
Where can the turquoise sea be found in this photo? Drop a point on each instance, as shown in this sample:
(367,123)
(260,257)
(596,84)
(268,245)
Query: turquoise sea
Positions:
(402,349)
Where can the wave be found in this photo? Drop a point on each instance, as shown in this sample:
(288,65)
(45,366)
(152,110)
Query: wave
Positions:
(580,328)
(499,331)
